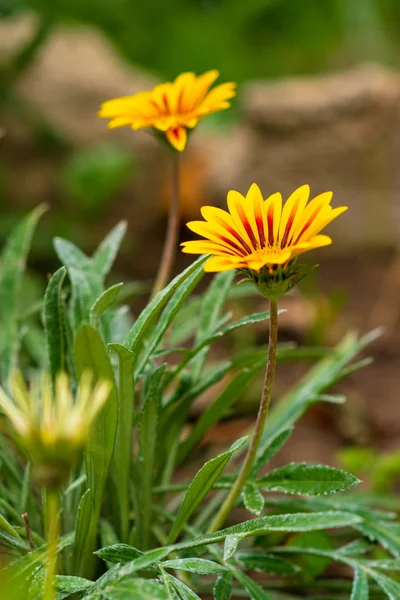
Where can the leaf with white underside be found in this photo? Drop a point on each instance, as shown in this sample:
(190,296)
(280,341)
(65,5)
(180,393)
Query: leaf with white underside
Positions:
(307,479)
(230,546)
(360,586)
(200,566)
(253,498)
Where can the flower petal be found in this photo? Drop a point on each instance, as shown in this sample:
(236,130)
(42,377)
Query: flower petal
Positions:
(177,137)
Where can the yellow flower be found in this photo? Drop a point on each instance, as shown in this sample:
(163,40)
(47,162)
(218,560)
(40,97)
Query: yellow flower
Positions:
(171,108)
(50,425)
(262,236)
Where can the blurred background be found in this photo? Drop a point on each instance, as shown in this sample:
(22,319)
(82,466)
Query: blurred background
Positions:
(318,103)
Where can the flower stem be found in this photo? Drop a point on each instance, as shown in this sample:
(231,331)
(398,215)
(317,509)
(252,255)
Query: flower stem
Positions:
(247,465)
(52,509)
(171,238)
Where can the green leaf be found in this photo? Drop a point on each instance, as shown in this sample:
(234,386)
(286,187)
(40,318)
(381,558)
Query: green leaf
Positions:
(147,438)
(230,546)
(139,589)
(90,354)
(12,266)
(167,317)
(83,535)
(223,587)
(71,256)
(266,563)
(307,479)
(255,591)
(287,522)
(122,459)
(55,317)
(201,485)
(386,533)
(67,584)
(210,311)
(183,590)
(104,301)
(388,585)
(118,553)
(105,254)
(217,409)
(355,548)
(250,319)
(150,314)
(7,528)
(360,586)
(253,498)
(200,566)
(270,449)
(86,287)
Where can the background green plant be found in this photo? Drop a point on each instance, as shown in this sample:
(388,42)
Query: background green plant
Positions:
(131,526)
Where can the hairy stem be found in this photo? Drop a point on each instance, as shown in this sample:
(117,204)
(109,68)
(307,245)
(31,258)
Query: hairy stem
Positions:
(171,238)
(247,465)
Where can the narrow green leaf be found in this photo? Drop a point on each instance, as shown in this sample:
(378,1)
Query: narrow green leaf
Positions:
(223,587)
(71,584)
(86,287)
(201,485)
(307,479)
(7,528)
(104,301)
(388,585)
(54,318)
(230,546)
(266,563)
(12,266)
(253,498)
(139,589)
(90,354)
(217,409)
(355,548)
(167,317)
(25,491)
(105,254)
(255,591)
(118,553)
(122,459)
(270,449)
(147,437)
(211,307)
(360,586)
(200,566)
(83,533)
(287,522)
(71,256)
(386,533)
(150,314)
(183,590)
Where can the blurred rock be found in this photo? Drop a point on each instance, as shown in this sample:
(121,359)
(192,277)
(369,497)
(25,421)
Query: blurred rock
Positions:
(338,132)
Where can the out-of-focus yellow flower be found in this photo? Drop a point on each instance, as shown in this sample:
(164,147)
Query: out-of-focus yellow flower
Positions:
(262,237)
(171,108)
(49,423)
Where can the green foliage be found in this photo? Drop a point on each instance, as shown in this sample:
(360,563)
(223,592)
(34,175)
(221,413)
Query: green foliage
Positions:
(127,493)
(93,176)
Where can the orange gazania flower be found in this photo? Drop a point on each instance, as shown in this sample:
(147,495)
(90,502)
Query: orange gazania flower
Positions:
(171,108)
(258,233)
